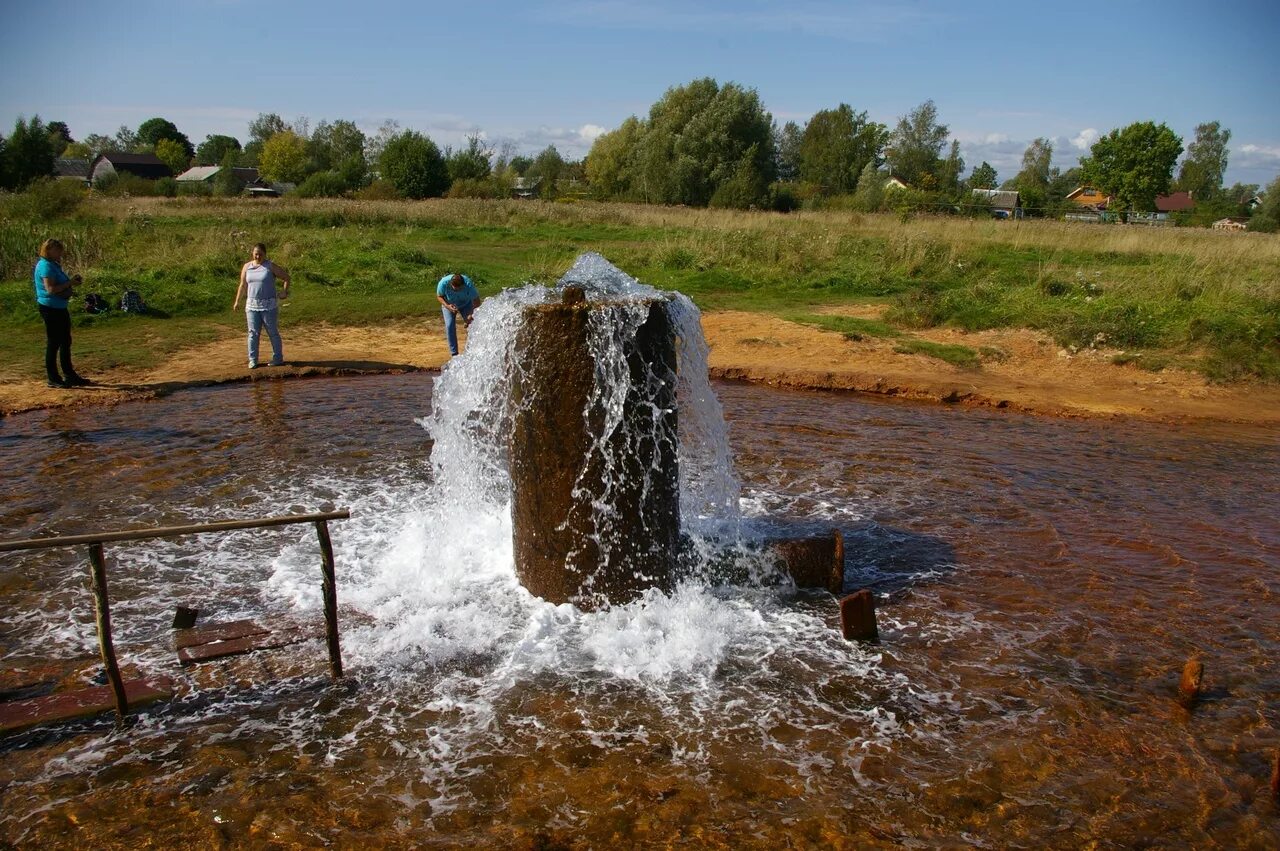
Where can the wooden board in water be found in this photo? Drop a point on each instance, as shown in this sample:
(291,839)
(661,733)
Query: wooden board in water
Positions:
(80,703)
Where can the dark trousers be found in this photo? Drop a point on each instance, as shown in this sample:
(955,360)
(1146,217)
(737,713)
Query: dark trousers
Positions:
(57,329)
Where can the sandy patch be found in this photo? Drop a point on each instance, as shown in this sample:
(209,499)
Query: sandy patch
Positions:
(1033,374)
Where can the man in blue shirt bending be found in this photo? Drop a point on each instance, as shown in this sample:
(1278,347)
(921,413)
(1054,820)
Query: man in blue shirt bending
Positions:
(457,297)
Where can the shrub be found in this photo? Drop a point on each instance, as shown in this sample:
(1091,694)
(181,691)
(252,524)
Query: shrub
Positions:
(167,186)
(48,199)
(322,184)
(123,183)
(195,189)
(473,187)
(379,190)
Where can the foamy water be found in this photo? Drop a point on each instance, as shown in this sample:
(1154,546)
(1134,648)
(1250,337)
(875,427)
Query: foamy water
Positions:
(1041,582)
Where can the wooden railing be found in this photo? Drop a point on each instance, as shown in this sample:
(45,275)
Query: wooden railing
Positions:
(98,572)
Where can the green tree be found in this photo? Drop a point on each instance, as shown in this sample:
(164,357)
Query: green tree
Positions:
(151,131)
(214,149)
(59,136)
(334,143)
(125,140)
(869,195)
(835,147)
(471,162)
(915,148)
(983,177)
(950,170)
(1062,184)
(266,125)
(97,143)
(1133,164)
(697,137)
(77,150)
(226,182)
(547,167)
(787,146)
(609,168)
(1032,182)
(1206,162)
(413,164)
(284,158)
(521,164)
(28,153)
(172,154)
(1266,218)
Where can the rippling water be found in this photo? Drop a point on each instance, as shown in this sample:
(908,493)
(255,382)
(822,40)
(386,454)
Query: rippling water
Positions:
(1043,583)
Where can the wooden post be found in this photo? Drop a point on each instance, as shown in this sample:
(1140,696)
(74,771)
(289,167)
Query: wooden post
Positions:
(330,599)
(858,617)
(102,606)
(1189,686)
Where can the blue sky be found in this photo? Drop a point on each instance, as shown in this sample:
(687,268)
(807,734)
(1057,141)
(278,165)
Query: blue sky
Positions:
(536,73)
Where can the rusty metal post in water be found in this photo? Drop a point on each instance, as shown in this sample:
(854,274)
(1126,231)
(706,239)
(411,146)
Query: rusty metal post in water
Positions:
(595,517)
(102,609)
(330,589)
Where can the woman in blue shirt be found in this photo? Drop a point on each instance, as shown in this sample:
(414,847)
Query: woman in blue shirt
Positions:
(53,289)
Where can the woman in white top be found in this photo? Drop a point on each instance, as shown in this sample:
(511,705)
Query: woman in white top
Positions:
(258,280)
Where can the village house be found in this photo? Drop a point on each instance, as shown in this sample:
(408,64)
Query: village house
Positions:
(146,166)
(525,187)
(895,183)
(1088,198)
(1005,203)
(207,173)
(71,168)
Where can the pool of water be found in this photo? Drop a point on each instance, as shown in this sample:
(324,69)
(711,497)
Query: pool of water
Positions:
(1041,581)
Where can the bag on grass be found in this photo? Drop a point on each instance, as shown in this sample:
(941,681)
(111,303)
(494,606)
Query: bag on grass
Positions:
(94,303)
(131,302)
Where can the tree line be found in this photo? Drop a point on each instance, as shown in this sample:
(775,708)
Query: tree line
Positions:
(334,158)
(701,144)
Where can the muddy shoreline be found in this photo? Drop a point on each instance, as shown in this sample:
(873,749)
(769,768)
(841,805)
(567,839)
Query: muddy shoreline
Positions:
(1032,375)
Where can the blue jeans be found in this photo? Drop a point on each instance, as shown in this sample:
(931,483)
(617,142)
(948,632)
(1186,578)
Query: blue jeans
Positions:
(451,324)
(257,319)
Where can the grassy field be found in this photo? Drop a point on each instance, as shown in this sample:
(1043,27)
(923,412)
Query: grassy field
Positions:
(1199,299)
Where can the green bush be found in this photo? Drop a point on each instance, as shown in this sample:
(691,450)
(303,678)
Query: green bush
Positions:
(123,183)
(195,189)
(167,186)
(379,190)
(322,184)
(473,187)
(48,199)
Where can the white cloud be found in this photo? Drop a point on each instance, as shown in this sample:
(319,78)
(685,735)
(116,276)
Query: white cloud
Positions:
(590,132)
(1262,151)
(1085,139)
(995,138)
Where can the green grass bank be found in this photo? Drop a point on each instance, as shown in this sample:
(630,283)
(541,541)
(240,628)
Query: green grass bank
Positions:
(1198,299)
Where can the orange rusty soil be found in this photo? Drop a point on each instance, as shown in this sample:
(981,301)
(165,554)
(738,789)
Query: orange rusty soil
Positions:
(1021,370)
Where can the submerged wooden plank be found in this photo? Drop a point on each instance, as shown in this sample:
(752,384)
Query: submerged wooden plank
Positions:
(218,632)
(247,644)
(80,703)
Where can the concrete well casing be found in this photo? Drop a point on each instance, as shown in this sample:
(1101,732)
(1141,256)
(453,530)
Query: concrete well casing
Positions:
(595,517)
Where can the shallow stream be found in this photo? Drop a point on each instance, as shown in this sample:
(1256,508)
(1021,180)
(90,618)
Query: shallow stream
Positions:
(1042,583)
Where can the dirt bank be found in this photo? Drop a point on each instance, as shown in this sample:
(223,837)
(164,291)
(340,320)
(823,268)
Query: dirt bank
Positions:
(1023,371)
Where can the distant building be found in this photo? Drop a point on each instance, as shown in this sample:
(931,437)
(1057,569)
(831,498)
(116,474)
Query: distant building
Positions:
(1005,203)
(1178,202)
(207,173)
(1089,198)
(71,168)
(895,183)
(1231,223)
(525,187)
(146,166)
